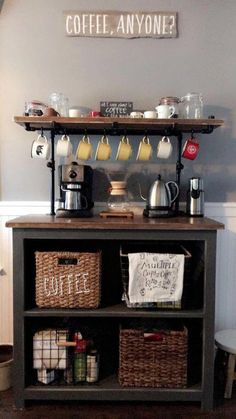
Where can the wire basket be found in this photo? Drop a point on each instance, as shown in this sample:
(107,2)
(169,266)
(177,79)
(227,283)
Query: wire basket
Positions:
(124,262)
(68,279)
(153,359)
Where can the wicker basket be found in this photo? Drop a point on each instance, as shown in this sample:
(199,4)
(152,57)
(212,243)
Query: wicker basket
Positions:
(159,363)
(124,262)
(68,279)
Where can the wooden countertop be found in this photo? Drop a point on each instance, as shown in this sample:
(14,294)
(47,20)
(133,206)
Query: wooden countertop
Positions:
(98,223)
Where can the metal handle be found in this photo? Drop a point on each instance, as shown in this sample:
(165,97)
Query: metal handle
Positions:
(177,190)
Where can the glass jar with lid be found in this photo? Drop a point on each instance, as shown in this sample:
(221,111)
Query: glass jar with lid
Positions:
(118,199)
(192,106)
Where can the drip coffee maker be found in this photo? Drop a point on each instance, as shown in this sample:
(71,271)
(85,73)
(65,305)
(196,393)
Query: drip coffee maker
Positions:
(75,182)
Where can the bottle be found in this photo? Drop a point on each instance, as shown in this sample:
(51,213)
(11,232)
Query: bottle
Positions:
(92,366)
(80,361)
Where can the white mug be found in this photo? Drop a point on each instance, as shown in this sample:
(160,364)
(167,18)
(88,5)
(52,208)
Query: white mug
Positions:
(164,148)
(40,148)
(150,114)
(136,114)
(165,111)
(64,146)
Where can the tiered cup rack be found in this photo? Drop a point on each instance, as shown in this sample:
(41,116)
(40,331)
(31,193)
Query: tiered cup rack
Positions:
(117,126)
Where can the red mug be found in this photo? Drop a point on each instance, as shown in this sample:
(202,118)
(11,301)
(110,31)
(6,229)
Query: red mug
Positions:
(94,114)
(191,149)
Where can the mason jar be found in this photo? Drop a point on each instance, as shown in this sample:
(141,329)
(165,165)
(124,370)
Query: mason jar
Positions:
(192,106)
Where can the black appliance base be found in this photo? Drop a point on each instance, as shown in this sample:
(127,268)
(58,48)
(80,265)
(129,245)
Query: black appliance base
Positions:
(158,213)
(83,213)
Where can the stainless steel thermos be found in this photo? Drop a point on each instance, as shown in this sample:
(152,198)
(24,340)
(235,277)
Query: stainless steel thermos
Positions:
(195,197)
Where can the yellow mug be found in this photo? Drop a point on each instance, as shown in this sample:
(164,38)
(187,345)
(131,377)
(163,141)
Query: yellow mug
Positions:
(84,149)
(124,151)
(103,151)
(144,150)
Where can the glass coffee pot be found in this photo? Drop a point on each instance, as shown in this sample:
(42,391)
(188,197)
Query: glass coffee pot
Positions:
(118,200)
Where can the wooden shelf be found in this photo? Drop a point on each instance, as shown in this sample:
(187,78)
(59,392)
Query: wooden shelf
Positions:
(109,389)
(118,310)
(118,126)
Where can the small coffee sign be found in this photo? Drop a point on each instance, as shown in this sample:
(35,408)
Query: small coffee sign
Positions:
(115,108)
(109,24)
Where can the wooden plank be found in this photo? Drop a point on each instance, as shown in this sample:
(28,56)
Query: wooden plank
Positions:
(96,222)
(47,122)
(119,24)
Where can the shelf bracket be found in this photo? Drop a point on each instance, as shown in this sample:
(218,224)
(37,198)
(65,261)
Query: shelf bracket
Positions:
(179,168)
(51,166)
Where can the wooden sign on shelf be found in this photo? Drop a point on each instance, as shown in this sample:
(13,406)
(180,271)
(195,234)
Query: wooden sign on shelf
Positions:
(113,24)
(114,109)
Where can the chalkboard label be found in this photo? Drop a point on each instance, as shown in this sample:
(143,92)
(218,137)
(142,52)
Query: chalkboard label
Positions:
(116,108)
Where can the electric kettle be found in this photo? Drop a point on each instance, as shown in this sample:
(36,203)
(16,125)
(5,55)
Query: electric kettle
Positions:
(160,199)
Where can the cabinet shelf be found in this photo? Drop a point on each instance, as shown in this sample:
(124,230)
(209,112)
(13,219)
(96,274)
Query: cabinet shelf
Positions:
(118,126)
(118,310)
(109,389)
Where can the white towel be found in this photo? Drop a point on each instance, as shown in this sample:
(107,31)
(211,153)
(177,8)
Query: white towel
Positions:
(155,277)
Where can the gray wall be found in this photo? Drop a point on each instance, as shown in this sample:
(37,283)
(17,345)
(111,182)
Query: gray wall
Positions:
(36,58)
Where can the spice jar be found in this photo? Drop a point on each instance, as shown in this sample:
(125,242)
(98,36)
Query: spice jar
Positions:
(118,199)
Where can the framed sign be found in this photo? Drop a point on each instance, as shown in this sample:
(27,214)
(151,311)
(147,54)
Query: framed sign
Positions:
(115,108)
(111,24)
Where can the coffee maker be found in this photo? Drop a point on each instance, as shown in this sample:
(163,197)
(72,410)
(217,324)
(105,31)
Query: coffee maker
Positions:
(75,182)
(195,197)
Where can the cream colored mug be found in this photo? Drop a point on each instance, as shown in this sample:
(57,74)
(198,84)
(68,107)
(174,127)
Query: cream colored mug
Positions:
(104,150)
(124,151)
(165,111)
(164,148)
(144,150)
(64,146)
(150,114)
(84,149)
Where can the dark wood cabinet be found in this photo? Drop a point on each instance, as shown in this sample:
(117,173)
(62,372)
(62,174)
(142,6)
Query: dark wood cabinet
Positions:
(198,235)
